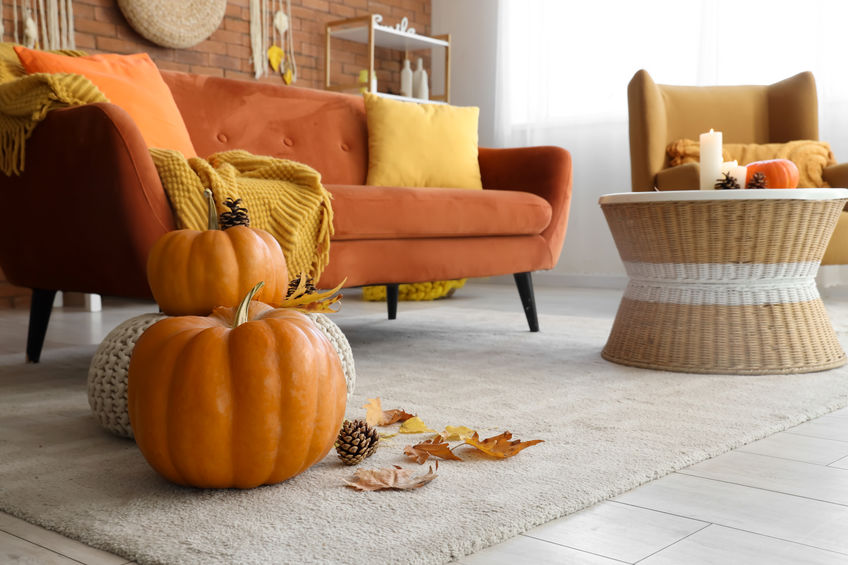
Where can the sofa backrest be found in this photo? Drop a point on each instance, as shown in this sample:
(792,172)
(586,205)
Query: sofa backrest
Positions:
(325,130)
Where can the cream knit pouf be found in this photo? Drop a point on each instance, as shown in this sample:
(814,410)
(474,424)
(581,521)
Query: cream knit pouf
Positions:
(107,374)
(342,346)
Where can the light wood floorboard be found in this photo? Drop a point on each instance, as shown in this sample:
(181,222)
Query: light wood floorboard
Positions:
(630,533)
(717,545)
(781,500)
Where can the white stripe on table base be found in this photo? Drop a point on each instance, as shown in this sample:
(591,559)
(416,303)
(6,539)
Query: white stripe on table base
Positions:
(726,284)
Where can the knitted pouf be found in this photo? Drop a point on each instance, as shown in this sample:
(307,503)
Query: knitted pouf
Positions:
(342,346)
(107,375)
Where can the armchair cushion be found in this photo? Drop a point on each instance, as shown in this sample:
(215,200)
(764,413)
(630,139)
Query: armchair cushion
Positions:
(812,157)
(132,82)
(421,145)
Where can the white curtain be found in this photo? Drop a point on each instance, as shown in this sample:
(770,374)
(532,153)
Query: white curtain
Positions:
(563,68)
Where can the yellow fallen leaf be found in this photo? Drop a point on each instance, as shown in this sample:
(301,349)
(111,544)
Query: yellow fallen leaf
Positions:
(457,433)
(275,57)
(414,426)
(373,411)
(288,77)
(387,435)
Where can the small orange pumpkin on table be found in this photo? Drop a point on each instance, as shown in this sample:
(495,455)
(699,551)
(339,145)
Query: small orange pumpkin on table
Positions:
(777,173)
(192,271)
(243,397)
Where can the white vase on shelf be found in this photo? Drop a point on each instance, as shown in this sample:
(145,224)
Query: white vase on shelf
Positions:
(420,88)
(406,79)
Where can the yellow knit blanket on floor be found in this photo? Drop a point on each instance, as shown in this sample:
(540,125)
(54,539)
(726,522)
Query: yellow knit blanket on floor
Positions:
(282,197)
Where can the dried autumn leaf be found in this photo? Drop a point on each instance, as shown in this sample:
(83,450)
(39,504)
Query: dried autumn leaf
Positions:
(320,302)
(373,411)
(395,415)
(390,478)
(457,433)
(414,426)
(376,416)
(435,446)
(501,446)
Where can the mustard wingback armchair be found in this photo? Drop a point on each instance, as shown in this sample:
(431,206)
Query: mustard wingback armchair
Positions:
(775,113)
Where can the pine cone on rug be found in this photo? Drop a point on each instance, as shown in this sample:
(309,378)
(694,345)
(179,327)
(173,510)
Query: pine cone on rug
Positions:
(357,440)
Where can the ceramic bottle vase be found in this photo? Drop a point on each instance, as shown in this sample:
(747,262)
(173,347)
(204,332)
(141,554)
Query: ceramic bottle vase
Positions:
(420,88)
(406,79)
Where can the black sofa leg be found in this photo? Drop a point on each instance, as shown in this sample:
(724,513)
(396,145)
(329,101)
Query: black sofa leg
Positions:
(524,282)
(39,317)
(392,299)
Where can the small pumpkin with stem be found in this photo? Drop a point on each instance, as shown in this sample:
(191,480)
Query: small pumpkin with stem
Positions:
(775,173)
(190,272)
(243,397)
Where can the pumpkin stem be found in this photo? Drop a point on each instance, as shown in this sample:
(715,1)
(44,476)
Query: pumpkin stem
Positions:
(212,210)
(244,305)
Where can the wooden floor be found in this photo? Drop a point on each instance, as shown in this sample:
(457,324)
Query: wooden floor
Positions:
(781,500)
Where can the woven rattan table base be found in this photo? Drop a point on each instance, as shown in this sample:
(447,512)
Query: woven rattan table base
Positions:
(740,340)
(723,283)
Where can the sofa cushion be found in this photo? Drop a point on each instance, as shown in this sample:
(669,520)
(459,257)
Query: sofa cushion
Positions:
(381,212)
(412,144)
(132,82)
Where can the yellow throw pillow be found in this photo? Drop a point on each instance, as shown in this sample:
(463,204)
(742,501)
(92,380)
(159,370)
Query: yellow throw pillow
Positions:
(810,156)
(421,145)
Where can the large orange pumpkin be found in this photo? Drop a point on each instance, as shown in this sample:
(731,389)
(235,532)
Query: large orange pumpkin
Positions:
(192,272)
(240,398)
(779,173)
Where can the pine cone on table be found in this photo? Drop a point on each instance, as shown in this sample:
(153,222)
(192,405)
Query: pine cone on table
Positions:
(728,182)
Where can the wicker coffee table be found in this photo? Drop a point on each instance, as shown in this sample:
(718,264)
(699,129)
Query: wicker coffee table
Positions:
(723,281)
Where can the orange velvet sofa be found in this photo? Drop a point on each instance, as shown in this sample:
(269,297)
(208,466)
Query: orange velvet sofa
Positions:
(89,204)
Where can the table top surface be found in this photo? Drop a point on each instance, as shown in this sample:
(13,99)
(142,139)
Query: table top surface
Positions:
(745,194)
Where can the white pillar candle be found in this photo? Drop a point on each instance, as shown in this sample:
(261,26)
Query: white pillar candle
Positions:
(710,159)
(740,173)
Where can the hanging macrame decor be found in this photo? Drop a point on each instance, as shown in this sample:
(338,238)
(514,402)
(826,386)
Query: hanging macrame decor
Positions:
(174,23)
(42,24)
(267,53)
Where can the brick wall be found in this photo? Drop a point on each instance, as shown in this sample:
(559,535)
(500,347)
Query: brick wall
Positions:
(100,27)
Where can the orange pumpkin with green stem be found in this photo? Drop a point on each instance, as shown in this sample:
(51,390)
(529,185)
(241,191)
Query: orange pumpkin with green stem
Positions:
(192,271)
(779,173)
(246,396)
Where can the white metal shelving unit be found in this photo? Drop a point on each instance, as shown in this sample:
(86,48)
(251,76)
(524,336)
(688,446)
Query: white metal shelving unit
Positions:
(367,30)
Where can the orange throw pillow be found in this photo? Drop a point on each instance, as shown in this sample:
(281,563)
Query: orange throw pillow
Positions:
(132,82)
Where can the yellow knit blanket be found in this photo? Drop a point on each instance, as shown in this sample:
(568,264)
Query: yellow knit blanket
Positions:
(282,197)
(26,99)
(811,156)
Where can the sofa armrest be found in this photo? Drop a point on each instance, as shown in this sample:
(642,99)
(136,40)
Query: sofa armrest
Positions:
(87,208)
(544,171)
(682,177)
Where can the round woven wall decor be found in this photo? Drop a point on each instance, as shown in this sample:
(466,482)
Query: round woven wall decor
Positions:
(174,23)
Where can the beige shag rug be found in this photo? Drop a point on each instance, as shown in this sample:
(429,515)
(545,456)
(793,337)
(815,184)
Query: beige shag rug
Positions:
(607,428)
